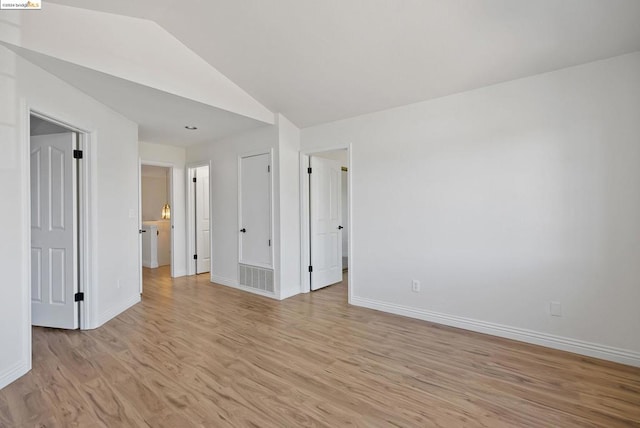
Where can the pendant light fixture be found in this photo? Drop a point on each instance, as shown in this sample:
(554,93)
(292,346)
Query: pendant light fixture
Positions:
(166,212)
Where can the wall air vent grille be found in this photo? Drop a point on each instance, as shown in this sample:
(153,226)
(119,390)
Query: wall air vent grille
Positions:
(256,277)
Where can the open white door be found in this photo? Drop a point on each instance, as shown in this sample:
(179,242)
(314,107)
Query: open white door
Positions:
(326,230)
(53,232)
(203,233)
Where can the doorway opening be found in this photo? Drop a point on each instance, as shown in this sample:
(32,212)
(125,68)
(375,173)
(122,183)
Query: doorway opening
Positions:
(198,219)
(156,227)
(58,211)
(325,202)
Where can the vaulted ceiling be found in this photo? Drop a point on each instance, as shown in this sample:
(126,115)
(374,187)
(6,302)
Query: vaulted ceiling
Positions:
(322,60)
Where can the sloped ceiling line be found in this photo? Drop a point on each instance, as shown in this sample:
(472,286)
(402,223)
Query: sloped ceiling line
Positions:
(132,49)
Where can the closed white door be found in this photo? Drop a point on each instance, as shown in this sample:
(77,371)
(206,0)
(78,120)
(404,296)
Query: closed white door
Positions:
(53,232)
(203,221)
(255,210)
(325,223)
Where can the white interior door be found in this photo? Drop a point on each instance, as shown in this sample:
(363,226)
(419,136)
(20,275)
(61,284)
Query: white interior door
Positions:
(203,237)
(255,211)
(53,232)
(325,222)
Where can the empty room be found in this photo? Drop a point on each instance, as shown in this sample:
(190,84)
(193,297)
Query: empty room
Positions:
(289,213)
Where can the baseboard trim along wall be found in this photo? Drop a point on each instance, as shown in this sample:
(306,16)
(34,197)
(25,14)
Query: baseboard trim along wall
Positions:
(589,349)
(224,281)
(179,273)
(113,312)
(13,373)
(227,282)
(292,291)
(234,284)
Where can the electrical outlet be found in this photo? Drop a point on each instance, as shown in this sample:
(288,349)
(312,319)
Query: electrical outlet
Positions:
(415,286)
(132,213)
(555,309)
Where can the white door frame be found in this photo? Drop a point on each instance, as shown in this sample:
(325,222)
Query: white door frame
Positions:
(305,231)
(191,224)
(172,202)
(85,245)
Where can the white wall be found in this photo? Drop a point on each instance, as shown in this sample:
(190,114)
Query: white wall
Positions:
(284,139)
(155,191)
(134,47)
(223,155)
(113,160)
(176,157)
(501,200)
(288,150)
(154,196)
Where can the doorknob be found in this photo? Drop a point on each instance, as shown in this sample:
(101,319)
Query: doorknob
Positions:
(340,227)
(243,230)
(142,231)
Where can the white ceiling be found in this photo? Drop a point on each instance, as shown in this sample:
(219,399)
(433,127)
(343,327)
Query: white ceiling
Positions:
(161,116)
(317,61)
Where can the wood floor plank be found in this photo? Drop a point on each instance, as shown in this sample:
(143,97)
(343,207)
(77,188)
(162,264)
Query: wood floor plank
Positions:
(196,354)
(65,400)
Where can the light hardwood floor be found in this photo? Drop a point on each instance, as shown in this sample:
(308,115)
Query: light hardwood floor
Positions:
(197,354)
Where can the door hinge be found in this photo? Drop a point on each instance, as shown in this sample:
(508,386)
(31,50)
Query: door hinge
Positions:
(309,170)
(194,179)
(195,257)
(269,242)
(268,168)
(78,297)
(77,154)
(310,268)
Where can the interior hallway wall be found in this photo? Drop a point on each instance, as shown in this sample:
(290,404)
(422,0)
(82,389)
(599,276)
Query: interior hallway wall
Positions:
(502,200)
(223,155)
(113,202)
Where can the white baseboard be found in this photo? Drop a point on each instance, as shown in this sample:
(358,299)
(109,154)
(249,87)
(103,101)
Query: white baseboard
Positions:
(114,311)
(179,273)
(13,373)
(234,284)
(294,291)
(224,281)
(589,349)
(148,264)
